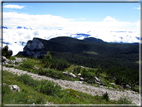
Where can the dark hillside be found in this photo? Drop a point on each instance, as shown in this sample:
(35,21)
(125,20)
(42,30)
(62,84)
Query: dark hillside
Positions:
(91,39)
(92,52)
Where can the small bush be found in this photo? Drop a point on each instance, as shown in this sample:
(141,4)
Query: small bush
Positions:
(136,88)
(88,76)
(58,64)
(7,53)
(51,73)
(41,71)
(105,96)
(9,65)
(12,58)
(124,101)
(26,79)
(27,65)
(77,70)
(48,88)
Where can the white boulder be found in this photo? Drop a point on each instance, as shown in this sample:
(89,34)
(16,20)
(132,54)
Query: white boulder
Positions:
(79,74)
(72,75)
(81,78)
(112,83)
(3,58)
(14,87)
(36,68)
(98,80)
(127,86)
(66,73)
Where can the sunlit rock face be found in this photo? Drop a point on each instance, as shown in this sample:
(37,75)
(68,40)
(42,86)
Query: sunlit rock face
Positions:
(33,48)
(34,45)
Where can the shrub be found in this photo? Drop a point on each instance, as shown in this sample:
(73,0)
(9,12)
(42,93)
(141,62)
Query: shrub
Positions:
(27,65)
(12,58)
(48,88)
(41,71)
(59,64)
(51,73)
(124,101)
(88,76)
(48,55)
(77,69)
(105,96)
(26,79)
(7,53)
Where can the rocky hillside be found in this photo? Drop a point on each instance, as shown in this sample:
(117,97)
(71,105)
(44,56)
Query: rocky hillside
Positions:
(86,88)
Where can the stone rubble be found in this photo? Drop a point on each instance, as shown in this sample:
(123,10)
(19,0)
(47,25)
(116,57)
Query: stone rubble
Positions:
(15,62)
(81,86)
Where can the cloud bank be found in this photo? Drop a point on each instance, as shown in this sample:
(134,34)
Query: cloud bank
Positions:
(19,28)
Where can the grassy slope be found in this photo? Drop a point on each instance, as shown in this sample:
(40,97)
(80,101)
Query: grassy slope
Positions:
(58,74)
(73,96)
(28,95)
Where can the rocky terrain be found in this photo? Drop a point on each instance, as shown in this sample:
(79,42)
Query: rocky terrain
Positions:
(81,86)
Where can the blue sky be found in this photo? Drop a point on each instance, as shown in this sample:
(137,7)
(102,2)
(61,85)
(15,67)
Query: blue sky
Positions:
(89,11)
(49,20)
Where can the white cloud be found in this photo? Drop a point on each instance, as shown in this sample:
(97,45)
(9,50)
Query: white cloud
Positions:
(81,38)
(13,19)
(47,26)
(137,8)
(13,6)
(109,19)
(35,21)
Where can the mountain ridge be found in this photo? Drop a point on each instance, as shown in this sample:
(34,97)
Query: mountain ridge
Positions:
(94,51)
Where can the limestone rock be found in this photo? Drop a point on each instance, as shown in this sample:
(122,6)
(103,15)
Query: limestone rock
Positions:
(102,84)
(127,86)
(79,74)
(36,68)
(66,73)
(81,78)
(33,48)
(112,83)
(72,75)
(14,87)
(3,58)
(98,80)
(34,45)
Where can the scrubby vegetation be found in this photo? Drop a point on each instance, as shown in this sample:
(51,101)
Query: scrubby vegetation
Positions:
(54,68)
(58,64)
(41,92)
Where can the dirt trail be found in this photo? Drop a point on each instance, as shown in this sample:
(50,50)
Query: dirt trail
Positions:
(86,88)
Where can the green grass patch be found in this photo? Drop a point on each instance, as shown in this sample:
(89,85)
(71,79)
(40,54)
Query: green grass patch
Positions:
(12,58)
(138,62)
(90,52)
(26,95)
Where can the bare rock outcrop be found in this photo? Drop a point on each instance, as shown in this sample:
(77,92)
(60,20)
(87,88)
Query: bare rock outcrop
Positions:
(33,48)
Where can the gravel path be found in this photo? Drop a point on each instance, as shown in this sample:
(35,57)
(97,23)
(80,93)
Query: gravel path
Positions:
(86,88)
